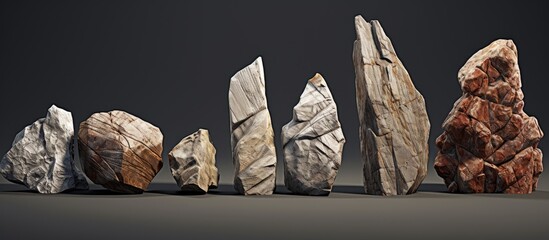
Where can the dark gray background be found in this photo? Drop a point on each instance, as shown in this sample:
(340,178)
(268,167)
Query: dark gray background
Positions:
(169,63)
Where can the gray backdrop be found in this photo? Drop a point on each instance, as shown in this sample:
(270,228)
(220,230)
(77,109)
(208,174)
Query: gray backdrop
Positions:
(169,62)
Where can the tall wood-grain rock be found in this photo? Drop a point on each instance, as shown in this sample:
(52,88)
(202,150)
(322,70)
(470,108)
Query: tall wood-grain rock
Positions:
(252,136)
(394,126)
(120,151)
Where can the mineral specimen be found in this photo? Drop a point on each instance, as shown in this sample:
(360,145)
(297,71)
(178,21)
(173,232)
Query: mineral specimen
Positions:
(41,155)
(254,154)
(394,126)
(192,162)
(489,143)
(120,151)
(313,141)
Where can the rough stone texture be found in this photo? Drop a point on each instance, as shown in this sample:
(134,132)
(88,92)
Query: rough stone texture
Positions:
(489,144)
(313,141)
(41,156)
(254,154)
(394,126)
(120,151)
(192,162)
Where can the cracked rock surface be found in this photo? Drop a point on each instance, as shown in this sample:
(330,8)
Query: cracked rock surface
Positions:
(120,151)
(41,156)
(394,126)
(192,163)
(252,142)
(313,141)
(489,143)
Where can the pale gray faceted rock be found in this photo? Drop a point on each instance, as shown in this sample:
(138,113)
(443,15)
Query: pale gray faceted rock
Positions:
(192,162)
(41,156)
(394,126)
(252,136)
(313,141)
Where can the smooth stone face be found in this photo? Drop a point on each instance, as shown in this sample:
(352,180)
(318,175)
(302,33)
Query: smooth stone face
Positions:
(313,141)
(394,126)
(489,143)
(41,156)
(192,162)
(120,151)
(254,154)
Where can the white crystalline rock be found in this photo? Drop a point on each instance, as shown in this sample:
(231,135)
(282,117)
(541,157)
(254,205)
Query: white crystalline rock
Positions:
(41,156)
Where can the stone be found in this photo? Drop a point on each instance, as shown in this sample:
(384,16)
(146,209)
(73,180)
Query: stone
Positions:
(41,156)
(489,143)
(313,141)
(192,163)
(394,126)
(120,151)
(252,136)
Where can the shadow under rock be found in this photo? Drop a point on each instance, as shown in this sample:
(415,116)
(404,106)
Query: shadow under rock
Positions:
(173,189)
(433,187)
(426,187)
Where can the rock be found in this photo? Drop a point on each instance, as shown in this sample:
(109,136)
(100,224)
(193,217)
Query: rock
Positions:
(394,126)
(313,141)
(192,162)
(41,156)
(120,151)
(254,154)
(489,143)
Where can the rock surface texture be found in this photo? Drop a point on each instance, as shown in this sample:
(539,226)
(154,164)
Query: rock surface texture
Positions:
(252,142)
(489,144)
(120,151)
(313,141)
(41,156)
(394,126)
(192,162)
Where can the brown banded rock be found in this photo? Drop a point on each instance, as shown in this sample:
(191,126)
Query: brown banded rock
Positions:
(313,141)
(41,156)
(394,126)
(252,143)
(192,163)
(489,143)
(120,151)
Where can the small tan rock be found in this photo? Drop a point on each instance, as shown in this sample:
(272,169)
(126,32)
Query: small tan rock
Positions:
(192,162)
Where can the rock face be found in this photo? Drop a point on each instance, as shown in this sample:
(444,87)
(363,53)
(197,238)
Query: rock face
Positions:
(394,126)
(313,141)
(41,155)
(254,154)
(489,144)
(192,162)
(120,151)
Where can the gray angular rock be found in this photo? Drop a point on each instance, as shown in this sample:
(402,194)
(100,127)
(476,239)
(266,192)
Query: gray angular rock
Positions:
(252,136)
(41,156)
(313,141)
(394,126)
(192,163)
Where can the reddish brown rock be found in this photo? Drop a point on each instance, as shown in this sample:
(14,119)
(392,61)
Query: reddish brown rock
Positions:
(489,143)
(120,151)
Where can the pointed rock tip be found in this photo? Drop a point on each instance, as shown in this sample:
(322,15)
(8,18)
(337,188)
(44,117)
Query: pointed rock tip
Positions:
(317,78)
(258,61)
(505,43)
